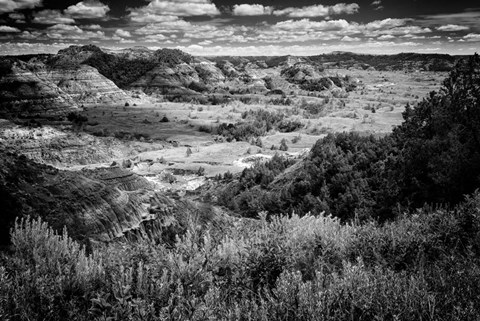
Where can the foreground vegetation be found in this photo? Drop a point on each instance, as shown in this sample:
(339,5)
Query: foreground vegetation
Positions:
(420,267)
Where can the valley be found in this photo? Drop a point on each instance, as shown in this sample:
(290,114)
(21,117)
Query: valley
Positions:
(163,125)
(152,185)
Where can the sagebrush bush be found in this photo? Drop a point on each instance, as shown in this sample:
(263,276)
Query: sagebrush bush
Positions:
(423,266)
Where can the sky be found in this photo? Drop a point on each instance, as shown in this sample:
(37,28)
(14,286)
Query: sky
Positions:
(247,28)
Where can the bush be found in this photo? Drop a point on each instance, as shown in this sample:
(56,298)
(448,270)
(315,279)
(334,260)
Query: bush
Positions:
(273,268)
(283,145)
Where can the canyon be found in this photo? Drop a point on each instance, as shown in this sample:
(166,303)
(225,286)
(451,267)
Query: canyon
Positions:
(135,164)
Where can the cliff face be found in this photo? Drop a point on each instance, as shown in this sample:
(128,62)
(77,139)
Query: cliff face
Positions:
(99,205)
(24,90)
(85,85)
(34,88)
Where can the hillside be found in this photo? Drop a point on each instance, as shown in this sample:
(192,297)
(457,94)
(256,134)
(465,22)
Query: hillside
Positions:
(360,177)
(96,205)
(38,87)
(88,75)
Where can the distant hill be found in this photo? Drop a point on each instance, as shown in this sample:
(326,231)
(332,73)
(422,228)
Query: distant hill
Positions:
(77,75)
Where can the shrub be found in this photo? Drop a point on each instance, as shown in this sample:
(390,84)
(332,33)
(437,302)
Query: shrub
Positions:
(283,145)
(296,139)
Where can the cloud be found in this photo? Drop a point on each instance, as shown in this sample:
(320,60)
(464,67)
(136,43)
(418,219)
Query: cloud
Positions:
(210,32)
(123,33)
(377,4)
(318,10)
(51,17)
(472,37)
(12,5)
(63,31)
(92,27)
(451,27)
(165,27)
(350,39)
(251,10)
(88,10)
(161,10)
(386,37)
(469,18)
(307,24)
(30,35)
(374,47)
(155,38)
(398,31)
(386,23)
(18,17)
(137,16)
(8,29)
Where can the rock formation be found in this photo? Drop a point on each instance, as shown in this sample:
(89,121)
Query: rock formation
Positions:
(98,205)
(35,88)
(53,146)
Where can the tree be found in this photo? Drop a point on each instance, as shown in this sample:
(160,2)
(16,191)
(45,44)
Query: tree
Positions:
(78,121)
(283,145)
(440,140)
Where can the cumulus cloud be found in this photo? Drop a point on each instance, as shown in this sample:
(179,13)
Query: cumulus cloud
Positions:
(8,29)
(92,27)
(386,24)
(18,17)
(168,10)
(251,10)
(51,17)
(451,27)
(472,37)
(30,35)
(64,31)
(138,16)
(307,24)
(88,10)
(123,33)
(350,39)
(318,10)
(12,5)
(155,38)
(386,37)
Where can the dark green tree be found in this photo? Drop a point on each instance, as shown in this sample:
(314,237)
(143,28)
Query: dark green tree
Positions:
(439,140)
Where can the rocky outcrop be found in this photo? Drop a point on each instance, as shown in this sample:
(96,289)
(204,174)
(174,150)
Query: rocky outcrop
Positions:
(34,88)
(85,85)
(95,205)
(24,90)
(53,146)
